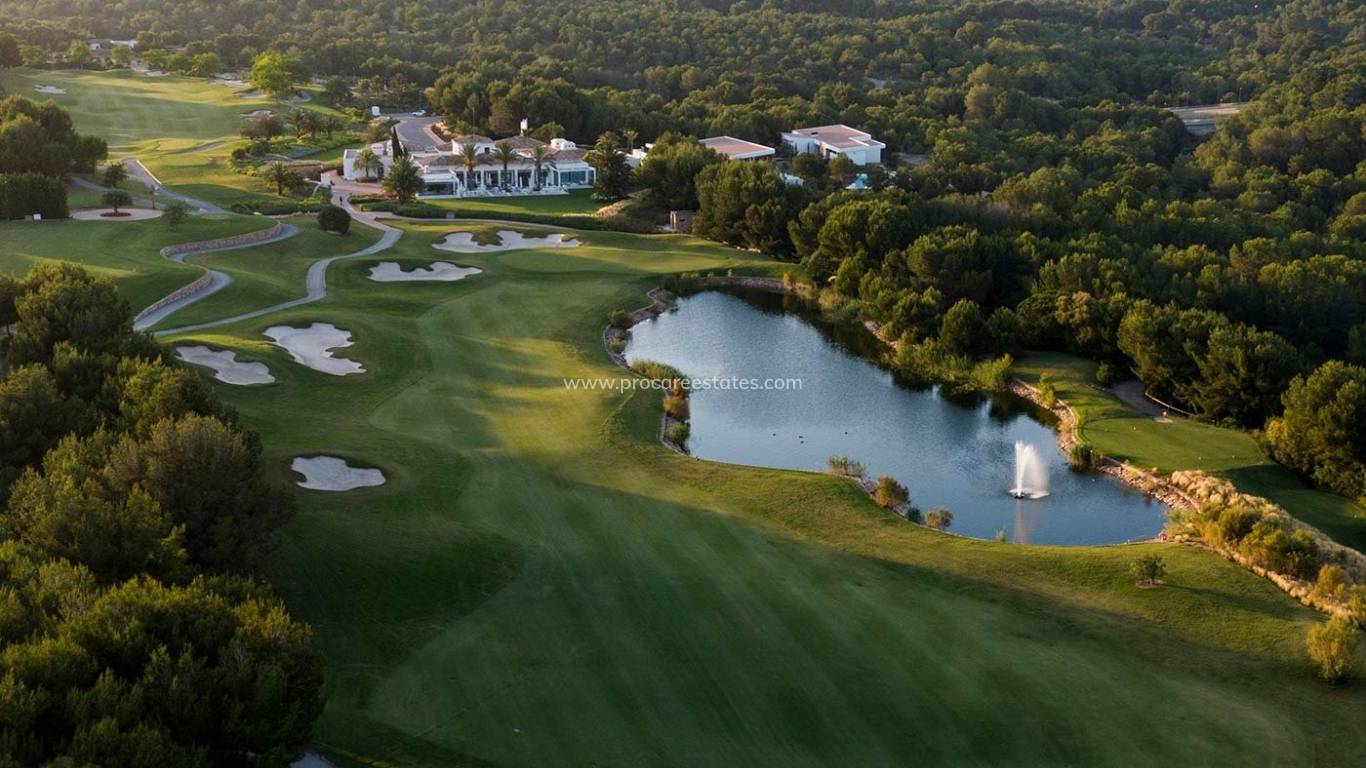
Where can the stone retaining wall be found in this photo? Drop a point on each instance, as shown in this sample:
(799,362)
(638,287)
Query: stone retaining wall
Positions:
(195,286)
(184,249)
(1154,485)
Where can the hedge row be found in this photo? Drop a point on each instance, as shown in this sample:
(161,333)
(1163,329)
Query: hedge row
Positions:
(24,194)
(280,208)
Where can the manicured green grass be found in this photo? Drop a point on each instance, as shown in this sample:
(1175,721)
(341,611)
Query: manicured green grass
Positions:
(126,108)
(125,251)
(541,583)
(195,123)
(268,274)
(78,197)
(1117,430)
(579,201)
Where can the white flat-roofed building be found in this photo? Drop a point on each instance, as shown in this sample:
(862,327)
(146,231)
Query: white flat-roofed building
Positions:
(737,149)
(831,140)
(562,168)
(446,173)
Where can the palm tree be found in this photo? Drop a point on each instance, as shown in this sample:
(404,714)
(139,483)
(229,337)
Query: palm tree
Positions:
(613,173)
(469,154)
(279,174)
(503,153)
(367,161)
(404,179)
(541,155)
(629,136)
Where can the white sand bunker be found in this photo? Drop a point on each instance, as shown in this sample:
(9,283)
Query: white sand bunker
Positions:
(312,347)
(463,242)
(441,271)
(226,367)
(49,89)
(329,473)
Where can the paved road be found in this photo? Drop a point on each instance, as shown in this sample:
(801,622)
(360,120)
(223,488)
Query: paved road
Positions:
(217,280)
(315,283)
(415,134)
(137,170)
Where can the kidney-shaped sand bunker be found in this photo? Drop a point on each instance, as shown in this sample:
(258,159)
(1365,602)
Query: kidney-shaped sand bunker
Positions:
(329,473)
(225,365)
(437,271)
(312,347)
(463,242)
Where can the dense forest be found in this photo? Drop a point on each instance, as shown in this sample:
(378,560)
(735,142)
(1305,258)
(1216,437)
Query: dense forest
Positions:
(1046,198)
(1039,194)
(134,517)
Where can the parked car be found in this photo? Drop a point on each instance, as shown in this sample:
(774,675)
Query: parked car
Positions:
(420,113)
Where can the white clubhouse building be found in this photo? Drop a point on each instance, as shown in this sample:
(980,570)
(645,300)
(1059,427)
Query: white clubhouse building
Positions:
(450,174)
(828,141)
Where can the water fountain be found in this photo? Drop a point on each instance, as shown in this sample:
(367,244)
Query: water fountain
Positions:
(1031,474)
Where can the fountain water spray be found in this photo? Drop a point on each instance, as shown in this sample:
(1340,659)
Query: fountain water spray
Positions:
(1031,474)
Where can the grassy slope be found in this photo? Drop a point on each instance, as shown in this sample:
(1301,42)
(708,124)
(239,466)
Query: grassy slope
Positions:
(195,122)
(541,583)
(125,251)
(1117,430)
(271,274)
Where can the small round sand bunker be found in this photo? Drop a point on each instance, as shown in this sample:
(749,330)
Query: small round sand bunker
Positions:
(329,473)
(463,242)
(437,271)
(226,367)
(312,347)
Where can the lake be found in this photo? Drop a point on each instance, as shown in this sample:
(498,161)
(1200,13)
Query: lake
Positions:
(952,452)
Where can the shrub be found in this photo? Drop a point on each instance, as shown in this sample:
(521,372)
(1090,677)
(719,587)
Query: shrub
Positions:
(1083,457)
(677,432)
(914,515)
(889,493)
(333,218)
(176,214)
(1106,374)
(676,403)
(843,465)
(1331,583)
(1271,546)
(990,375)
(1048,394)
(617,344)
(939,518)
(1148,570)
(1356,603)
(652,369)
(619,319)
(1331,645)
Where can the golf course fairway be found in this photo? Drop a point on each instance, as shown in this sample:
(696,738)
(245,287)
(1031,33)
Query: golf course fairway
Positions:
(540,582)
